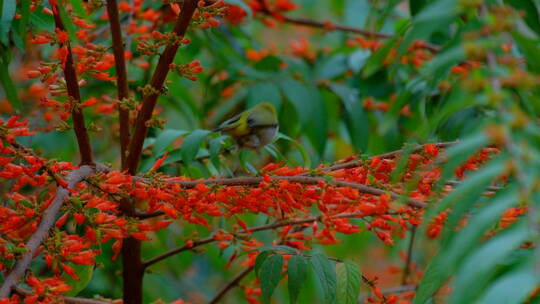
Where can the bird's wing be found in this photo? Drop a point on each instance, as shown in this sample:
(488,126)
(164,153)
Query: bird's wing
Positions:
(261,119)
(238,124)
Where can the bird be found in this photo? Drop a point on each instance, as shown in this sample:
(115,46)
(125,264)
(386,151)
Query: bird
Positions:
(253,128)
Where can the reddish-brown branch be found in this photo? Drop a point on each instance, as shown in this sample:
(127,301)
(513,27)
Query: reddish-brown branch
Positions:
(121,80)
(408,260)
(392,154)
(47,221)
(66,300)
(162,68)
(133,271)
(250,230)
(330,26)
(302,179)
(233,283)
(74,94)
(391,291)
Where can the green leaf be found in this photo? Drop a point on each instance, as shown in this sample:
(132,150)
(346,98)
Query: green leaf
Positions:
(283,248)
(41,20)
(7,83)
(326,272)
(391,117)
(274,152)
(221,111)
(348,282)
(358,59)
(376,61)
(79,8)
(470,190)
(439,14)
(25,17)
(316,128)
(440,267)
(192,144)
(356,119)
(214,149)
(356,12)
(530,50)
(297,271)
(245,163)
(8,8)
(441,64)
(459,153)
(68,24)
(85,273)
(468,284)
(165,139)
(416,6)
(269,64)
(513,288)
(449,257)
(264,92)
(261,257)
(301,149)
(336,65)
(270,274)
(298,94)
(531,12)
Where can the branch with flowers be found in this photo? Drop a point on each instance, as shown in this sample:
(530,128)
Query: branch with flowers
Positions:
(165,192)
(47,221)
(72,84)
(262,6)
(295,188)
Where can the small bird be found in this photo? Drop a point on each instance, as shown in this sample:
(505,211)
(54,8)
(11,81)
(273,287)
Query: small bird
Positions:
(253,128)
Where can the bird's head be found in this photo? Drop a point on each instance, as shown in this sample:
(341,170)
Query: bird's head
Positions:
(267,107)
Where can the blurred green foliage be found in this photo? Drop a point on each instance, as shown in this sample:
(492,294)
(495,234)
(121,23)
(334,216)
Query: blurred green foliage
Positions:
(323,118)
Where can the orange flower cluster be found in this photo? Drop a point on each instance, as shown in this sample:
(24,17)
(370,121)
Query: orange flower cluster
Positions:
(188,70)
(93,206)
(463,69)
(416,55)
(93,61)
(371,104)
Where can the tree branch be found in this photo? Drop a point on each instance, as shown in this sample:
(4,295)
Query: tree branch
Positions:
(250,230)
(330,26)
(74,94)
(408,260)
(162,68)
(390,291)
(230,285)
(47,221)
(66,300)
(121,81)
(392,154)
(302,179)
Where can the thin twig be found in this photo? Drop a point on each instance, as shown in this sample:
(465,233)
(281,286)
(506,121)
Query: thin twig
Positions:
(47,221)
(392,154)
(391,291)
(74,94)
(408,260)
(149,103)
(121,81)
(66,300)
(488,188)
(250,230)
(230,285)
(244,181)
(328,26)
